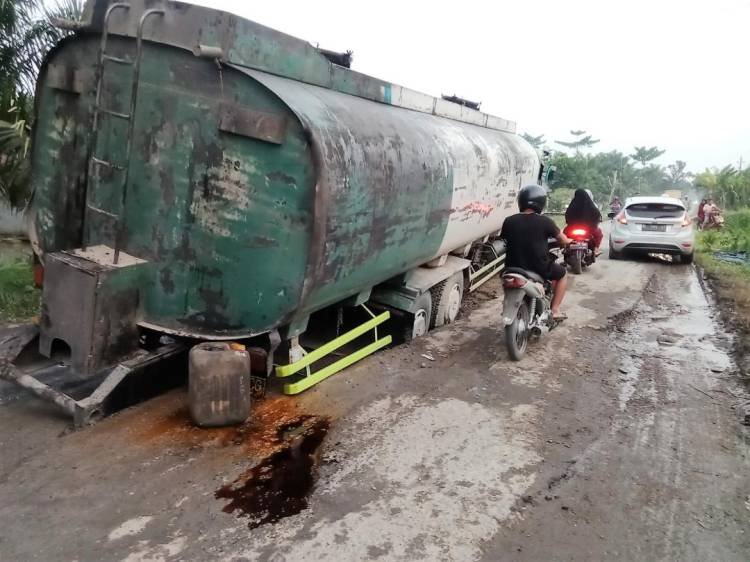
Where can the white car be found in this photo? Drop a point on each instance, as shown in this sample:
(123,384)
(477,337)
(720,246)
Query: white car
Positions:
(652,225)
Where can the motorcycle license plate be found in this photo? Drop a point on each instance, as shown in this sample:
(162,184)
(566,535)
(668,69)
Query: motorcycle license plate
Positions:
(579,246)
(654,227)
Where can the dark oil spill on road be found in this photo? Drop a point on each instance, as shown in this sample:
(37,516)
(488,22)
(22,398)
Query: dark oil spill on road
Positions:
(279,486)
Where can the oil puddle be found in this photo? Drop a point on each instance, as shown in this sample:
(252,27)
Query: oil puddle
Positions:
(280,485)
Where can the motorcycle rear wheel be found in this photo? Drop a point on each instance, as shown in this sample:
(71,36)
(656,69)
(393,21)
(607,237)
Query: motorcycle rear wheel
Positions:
(575,261)
(517,333)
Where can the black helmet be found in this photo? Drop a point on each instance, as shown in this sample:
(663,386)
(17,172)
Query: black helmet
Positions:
(532,197)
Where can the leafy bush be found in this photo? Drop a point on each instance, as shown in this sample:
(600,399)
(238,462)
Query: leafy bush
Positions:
(734,237)
(19,299)
(559,199)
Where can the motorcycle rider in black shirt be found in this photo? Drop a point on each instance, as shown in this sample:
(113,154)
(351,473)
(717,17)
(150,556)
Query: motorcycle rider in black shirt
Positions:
(526,235)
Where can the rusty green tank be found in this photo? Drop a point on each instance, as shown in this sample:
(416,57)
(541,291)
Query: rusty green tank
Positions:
(244,179)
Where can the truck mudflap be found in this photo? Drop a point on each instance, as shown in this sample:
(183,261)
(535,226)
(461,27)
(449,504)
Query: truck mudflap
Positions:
(84,411)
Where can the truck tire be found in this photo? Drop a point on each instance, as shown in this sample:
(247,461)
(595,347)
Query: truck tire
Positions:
(418,323)
(447,297)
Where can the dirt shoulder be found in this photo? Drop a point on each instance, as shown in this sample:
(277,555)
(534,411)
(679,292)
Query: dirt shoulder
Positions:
(729,286)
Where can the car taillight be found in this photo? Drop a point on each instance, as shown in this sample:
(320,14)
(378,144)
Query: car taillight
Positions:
(512,282)
(621,218)
(686,220)
(579,232)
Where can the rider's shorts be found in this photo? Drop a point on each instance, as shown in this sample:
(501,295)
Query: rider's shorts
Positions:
(555,272)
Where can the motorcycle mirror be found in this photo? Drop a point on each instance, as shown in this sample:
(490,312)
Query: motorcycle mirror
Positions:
(610,215)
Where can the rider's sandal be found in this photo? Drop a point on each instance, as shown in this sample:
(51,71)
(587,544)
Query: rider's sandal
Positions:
(560,317)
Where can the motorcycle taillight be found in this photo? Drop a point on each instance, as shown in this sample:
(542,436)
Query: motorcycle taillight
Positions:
(512,282)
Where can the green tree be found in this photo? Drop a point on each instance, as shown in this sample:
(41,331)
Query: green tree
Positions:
(536,142)
(728,186)
(644,155)
(26,36)
(580,140)
(677,174)
(650,177)
(559,200)
(705,182)
(604,173)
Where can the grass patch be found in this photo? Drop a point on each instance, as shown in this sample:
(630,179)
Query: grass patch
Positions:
(559,220)
(734,237)
(730,281)
(19,299)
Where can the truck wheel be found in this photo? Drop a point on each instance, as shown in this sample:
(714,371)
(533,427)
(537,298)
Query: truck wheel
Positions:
(418,323)
(447,297)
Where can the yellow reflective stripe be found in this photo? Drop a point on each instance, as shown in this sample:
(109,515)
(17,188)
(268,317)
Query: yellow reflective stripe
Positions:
(343,363)
(333,345)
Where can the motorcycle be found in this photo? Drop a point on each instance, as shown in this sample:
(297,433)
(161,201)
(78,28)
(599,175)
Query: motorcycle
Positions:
(580,252)
(526,309)
(716,222)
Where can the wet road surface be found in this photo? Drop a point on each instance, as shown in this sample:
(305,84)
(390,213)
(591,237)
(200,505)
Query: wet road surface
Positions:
(615,438)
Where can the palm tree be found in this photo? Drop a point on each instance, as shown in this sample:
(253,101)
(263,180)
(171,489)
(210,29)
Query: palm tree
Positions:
(25,37)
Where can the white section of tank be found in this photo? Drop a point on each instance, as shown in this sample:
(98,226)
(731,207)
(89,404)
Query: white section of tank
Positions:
(478,200)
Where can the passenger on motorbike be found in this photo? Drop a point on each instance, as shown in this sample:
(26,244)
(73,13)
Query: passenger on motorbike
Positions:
(526,235)
(582,211)
(710,212)
(701,212)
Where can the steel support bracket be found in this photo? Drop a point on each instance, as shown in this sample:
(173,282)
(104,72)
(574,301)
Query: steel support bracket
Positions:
(89,409)
(312,378)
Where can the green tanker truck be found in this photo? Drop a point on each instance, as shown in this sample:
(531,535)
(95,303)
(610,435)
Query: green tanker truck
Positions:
(200,177)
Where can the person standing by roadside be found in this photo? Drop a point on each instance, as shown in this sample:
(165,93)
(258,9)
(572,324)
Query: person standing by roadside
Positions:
(701,213)
(708,212)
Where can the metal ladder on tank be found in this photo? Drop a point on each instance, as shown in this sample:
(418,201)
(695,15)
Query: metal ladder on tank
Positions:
(95,163)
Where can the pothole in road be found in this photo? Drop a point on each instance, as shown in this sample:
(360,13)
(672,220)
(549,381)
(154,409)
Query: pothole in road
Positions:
(280,485)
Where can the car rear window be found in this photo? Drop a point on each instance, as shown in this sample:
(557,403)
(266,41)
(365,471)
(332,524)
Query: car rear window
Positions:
(654,210)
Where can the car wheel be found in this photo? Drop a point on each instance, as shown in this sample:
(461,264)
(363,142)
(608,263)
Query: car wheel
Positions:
(687,258)
(614,255)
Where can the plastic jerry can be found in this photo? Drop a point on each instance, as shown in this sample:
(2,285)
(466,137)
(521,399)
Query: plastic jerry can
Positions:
(219,387)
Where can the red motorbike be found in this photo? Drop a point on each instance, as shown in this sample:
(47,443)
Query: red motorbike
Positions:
(580,252)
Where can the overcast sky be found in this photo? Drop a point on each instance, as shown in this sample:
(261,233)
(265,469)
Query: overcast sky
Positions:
(640,72)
